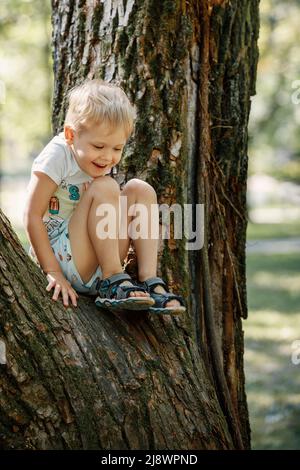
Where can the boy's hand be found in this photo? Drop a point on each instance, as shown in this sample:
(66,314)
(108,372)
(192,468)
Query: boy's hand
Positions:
(61,285)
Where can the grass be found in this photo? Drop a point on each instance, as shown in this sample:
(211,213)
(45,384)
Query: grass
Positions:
(269,231)
(272,380)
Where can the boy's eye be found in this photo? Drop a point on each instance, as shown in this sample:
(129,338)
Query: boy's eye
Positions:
(98,147)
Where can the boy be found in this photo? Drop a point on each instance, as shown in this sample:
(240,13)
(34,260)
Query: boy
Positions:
(69,183)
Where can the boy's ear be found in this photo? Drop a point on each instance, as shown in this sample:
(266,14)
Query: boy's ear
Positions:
(69,134)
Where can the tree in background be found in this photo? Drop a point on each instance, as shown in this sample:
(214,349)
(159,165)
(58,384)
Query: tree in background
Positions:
(96,380)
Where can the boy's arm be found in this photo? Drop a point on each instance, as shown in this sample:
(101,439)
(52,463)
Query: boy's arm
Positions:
(40,191)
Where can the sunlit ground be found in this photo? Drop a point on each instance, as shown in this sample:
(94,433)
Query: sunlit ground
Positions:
(273,381)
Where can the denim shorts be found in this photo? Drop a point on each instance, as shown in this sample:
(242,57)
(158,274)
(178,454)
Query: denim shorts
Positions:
(62,250)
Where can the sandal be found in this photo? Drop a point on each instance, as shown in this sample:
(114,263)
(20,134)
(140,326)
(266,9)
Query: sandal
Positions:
(162,299)
(115,297)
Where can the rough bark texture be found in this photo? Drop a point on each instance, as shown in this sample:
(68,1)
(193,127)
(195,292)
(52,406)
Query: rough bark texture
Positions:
(95,380)
(89,379)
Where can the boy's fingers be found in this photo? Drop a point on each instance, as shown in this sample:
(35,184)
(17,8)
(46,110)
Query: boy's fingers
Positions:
(73,291)
(50,285)
(65,296)
(73,298)
(56,292)
(65,292)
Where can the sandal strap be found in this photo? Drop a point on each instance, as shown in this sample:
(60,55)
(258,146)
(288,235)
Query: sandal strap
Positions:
(110,287)
(152,282)
(162,299)
(120,277)
(122,292)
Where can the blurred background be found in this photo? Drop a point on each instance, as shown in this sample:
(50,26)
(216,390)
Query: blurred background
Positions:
(273,238)
(26,84)
(273,247)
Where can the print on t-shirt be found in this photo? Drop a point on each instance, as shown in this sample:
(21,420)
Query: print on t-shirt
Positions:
(74,193)
(54,205)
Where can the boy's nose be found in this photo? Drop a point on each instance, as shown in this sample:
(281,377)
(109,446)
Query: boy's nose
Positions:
(106,157)
(105,161)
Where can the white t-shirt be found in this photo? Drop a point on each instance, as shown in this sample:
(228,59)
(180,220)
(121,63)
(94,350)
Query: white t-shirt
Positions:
(57,161)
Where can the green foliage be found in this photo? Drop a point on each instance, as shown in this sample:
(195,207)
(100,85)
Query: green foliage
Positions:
(274,124)
(25,70)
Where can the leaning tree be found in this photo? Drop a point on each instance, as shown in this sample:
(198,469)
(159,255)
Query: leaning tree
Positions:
(90,379)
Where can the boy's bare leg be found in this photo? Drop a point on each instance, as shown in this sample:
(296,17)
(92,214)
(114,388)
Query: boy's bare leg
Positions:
(138,191)
(88,249)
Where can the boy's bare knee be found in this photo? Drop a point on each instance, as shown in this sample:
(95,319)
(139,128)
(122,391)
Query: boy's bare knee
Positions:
(104,185)
(139,188)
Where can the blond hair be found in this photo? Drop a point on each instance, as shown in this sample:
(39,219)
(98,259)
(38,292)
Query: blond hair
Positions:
(98,101)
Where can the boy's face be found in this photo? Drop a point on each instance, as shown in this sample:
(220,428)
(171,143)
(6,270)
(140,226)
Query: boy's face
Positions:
(97,148)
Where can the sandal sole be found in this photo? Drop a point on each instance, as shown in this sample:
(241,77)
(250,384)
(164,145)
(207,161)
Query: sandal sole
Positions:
(126,304)
(167,311)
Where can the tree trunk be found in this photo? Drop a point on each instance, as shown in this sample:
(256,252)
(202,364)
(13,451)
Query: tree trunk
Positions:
(95,380)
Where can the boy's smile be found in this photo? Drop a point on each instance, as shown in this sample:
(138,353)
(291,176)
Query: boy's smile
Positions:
(97,148)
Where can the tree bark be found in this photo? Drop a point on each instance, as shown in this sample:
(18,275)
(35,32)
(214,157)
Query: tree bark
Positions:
(93,380)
